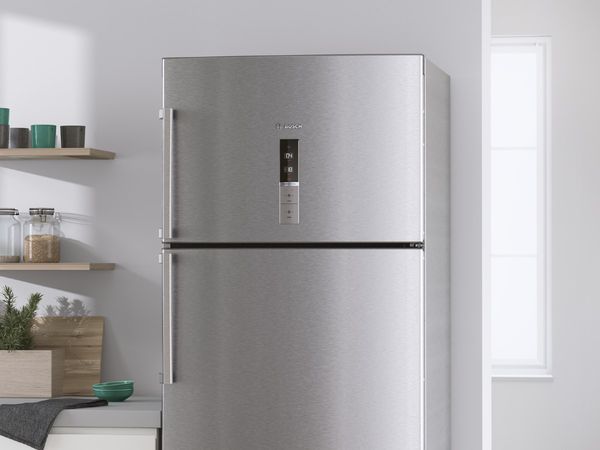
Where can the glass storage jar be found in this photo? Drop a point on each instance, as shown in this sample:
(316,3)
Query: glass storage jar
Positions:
(42,236)
(10,236)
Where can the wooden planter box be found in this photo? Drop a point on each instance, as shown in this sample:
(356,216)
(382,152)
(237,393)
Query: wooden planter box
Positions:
(81,339)
(31,373)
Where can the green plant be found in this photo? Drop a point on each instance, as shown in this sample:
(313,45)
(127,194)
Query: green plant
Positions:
(15,323)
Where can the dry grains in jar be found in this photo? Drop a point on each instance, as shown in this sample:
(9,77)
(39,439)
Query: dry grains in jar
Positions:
(42,237)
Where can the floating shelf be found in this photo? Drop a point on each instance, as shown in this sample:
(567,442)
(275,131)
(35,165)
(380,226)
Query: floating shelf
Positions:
(55,153)
(57,266)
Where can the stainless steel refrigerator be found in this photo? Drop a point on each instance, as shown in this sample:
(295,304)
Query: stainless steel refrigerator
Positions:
(306,253)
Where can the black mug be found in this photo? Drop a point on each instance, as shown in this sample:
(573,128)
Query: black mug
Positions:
(19,137)
(72,136)
(4,136)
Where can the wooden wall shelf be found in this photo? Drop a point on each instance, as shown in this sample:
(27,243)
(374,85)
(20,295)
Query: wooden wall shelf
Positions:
(55,153)
(57,266)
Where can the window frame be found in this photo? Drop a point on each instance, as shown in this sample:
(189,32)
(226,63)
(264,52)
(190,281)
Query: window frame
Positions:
(541,367)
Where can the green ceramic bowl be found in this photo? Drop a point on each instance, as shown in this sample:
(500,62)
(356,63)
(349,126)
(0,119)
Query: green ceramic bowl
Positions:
(108,385)
(114,395)
(113,391)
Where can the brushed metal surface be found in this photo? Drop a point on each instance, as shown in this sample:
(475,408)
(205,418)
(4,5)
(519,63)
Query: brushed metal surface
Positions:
(295,349)
(289,213)
(359,122)
(289,194)
(437,258)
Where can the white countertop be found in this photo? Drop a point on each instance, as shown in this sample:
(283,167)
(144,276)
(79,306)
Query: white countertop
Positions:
(135,412)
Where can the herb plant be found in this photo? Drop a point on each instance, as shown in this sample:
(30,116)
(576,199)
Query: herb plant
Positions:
(15,323)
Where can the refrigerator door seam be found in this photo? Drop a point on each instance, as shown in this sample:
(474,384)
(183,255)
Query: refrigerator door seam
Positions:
(306,245)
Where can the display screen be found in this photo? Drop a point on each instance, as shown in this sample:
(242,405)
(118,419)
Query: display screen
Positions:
(288,160)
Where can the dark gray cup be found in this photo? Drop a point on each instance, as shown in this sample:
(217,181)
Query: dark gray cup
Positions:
(72,136)
(19,137)
(4,132)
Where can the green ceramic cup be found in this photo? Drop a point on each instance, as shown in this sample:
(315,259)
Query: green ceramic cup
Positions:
(4,113)
(43,136)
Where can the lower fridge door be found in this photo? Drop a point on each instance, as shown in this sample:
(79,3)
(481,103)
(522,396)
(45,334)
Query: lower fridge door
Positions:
(293,349)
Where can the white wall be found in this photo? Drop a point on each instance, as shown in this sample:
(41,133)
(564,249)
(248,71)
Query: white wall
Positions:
(563,413)
(116,48)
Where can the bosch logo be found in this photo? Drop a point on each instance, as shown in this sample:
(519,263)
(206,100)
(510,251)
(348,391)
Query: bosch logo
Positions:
(288,126)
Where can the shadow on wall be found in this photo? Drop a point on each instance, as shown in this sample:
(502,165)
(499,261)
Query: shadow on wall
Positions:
(62,308)
(61,64)
(67,308)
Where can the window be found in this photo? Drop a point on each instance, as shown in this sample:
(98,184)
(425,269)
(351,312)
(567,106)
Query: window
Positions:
(519,206)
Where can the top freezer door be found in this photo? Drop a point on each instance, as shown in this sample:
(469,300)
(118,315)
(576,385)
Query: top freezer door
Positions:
(294,149)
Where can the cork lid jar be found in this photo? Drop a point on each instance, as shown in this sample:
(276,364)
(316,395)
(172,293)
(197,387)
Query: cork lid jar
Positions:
(41,241)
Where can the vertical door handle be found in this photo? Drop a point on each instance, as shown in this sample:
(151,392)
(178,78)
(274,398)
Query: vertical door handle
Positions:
(166,115)
(168,319)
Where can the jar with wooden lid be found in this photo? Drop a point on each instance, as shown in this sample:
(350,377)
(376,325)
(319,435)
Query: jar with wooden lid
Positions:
(10,236)
(42,236)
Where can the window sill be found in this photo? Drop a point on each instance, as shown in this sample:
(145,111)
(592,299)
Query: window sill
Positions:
(523,377)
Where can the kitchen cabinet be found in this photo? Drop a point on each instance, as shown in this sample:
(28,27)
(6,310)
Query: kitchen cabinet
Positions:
(130,425)
(75,438)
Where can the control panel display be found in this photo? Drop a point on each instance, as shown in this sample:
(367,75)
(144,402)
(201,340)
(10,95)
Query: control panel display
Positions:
(288,160)
(289,185)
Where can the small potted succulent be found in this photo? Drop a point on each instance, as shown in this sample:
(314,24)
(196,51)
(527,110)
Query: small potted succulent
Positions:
(25,372)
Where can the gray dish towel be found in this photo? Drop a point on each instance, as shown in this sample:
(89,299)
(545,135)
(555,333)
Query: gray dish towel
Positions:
(30,423)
